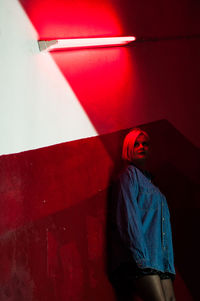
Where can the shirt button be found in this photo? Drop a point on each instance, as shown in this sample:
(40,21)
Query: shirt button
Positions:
(163,219)
(163,233)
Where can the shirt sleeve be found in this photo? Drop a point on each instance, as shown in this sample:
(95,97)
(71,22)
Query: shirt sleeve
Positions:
(128,219)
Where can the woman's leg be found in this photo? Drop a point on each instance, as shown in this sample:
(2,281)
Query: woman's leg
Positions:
(149,288)
(168,289)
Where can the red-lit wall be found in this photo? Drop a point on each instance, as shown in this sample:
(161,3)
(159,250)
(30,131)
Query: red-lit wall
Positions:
(54,199)
(122,87)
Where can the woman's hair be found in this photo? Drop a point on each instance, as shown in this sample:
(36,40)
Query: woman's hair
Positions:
(129,141)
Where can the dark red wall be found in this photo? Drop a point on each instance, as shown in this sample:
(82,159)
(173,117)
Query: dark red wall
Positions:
(54,215)
(52,222)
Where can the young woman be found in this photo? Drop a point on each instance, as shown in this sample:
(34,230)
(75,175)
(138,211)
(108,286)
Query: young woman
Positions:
(142,241)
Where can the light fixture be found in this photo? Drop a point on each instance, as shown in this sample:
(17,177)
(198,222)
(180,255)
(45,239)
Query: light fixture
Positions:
(47,45)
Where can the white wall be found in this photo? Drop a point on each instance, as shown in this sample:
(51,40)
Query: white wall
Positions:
(38,106)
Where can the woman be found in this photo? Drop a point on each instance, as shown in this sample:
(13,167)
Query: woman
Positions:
(142,242)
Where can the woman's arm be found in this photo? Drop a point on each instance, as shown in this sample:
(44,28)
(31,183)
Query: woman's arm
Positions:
(128,219)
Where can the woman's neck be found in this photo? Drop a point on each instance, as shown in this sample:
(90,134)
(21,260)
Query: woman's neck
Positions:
(143,167)
(141,164)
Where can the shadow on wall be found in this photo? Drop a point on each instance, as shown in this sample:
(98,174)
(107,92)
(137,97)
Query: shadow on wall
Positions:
(175,164)
(53,215)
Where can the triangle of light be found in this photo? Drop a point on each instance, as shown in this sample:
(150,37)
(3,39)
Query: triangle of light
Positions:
(47,45)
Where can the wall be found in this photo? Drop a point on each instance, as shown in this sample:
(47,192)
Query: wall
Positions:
(51,207)
(41,94)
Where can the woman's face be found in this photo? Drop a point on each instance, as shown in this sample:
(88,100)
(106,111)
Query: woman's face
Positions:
(141,147)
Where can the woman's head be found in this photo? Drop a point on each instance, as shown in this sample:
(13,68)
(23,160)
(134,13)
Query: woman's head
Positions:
(136,146)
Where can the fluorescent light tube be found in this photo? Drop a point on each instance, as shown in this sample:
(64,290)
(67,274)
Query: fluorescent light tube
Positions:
(84,43)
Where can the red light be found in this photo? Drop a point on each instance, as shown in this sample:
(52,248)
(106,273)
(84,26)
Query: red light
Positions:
(84,42)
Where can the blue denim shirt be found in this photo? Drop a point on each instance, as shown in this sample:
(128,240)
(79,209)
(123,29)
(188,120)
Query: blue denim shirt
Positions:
(143,222)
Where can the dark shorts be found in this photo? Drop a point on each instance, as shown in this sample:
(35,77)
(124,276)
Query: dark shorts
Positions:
(128,273)
(144,272)
(124,279)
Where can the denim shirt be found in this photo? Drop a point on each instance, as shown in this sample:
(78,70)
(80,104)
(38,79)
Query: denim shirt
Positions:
(142,221)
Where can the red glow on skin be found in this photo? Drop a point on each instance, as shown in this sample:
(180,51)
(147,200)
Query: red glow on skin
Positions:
(141,148)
